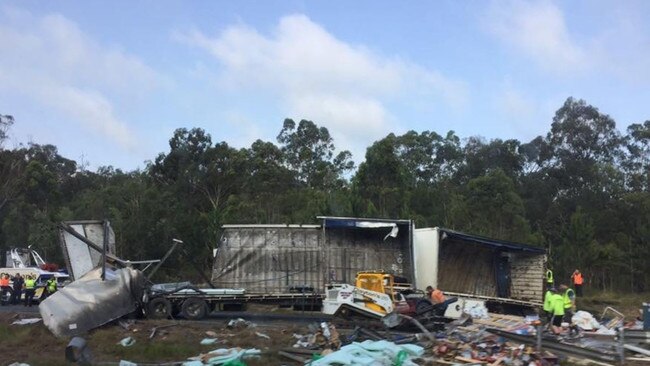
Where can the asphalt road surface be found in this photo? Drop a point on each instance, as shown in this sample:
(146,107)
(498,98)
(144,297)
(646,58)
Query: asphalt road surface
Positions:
(296,316)
(18,309)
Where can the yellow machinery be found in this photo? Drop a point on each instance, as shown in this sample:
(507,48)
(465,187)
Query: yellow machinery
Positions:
(374,294)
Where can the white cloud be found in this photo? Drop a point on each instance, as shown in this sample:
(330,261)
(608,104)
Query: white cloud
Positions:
(320,77)
(514,104)
(51,61)
(244,130)
(518,111)
(537,29)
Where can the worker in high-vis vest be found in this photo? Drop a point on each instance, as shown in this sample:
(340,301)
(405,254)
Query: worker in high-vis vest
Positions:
(557,302)
(30,289)
(4,288)
(51,286)
(577,280)
(549,278)
(569,299)
(548,305)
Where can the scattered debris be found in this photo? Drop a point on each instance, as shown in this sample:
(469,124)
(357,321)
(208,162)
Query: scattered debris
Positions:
(324,335)
(127,342)
(262,335)
(26,321)
(126,324)
(211,334)
(372,352)
(78,352)
(223,356)
(240,323)
(208,341)
(156,329)
(612,318)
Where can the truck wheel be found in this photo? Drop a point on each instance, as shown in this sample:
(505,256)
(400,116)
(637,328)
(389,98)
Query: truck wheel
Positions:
(194,308)
(159,308)
(6,299)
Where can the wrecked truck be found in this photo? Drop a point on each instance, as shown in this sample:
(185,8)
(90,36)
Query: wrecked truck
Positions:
(101,279)
(306,258)
(105,287)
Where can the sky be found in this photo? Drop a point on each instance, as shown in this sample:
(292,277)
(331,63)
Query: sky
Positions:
(108,82)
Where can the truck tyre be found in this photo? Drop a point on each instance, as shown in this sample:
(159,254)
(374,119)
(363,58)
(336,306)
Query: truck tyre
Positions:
(159,308)
(194,308)
(6,300)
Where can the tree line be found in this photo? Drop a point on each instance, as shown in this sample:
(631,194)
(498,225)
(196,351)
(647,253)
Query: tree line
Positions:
(582,191)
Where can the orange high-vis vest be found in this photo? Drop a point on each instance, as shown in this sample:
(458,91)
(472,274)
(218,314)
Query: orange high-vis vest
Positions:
(577,279)
(437,296)
(4,282)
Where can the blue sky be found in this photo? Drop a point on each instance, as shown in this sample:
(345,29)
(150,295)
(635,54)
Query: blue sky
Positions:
(110,81)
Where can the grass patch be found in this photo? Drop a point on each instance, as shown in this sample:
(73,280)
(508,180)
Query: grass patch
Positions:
(627,303)
(32,344)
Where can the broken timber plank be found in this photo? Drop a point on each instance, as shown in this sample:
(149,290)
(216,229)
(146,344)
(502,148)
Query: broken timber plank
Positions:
(292,357)
(468,360)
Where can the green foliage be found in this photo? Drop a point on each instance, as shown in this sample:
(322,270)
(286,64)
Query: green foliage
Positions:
(6,122)
(309,151)
(492,207)
(582,191)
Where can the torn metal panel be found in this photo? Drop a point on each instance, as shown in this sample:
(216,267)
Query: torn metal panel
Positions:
(81,258)
(89,302)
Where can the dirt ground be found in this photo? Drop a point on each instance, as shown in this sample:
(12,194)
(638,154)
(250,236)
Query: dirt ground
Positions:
(35,345)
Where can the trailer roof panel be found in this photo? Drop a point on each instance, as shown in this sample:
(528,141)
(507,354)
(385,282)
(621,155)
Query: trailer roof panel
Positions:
(492,242)
(267,226)
(334,221)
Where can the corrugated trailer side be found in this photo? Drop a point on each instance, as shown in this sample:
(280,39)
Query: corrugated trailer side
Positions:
(269,259)
(288,258)
(527,276)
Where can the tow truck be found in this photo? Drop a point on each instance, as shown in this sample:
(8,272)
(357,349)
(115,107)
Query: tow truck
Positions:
(27,262)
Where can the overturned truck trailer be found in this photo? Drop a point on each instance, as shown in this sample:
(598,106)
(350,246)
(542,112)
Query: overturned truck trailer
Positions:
(267,259)
(305,258)
(467,265)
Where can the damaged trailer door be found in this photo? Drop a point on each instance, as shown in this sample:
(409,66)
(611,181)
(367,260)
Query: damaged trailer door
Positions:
(80,258)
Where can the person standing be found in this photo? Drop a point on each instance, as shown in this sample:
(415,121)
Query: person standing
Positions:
(4,288)
(577,280)
(51,286)
(30,289)
(569,298)
(549,278)
(548,305)
(558,312)
(18,289)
